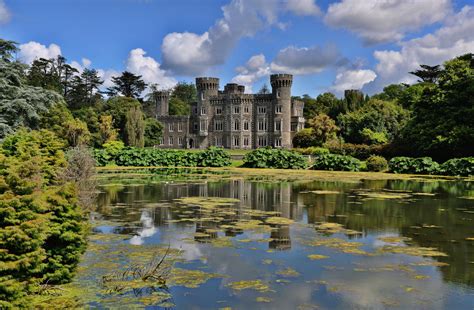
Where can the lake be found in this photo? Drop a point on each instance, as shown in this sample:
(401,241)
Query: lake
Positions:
(230,241)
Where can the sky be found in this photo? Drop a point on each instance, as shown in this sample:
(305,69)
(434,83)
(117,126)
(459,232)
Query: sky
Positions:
(326,45)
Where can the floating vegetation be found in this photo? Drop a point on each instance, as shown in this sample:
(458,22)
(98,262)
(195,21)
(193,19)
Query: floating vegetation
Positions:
(274,220)
(394,239)
(339,244)
(411,250)
(288,272)
(257,285)
(263,299)
(383,195)
(267,261)
(470,238)
(324,192)
(335,228)
(317,256)
(190,278)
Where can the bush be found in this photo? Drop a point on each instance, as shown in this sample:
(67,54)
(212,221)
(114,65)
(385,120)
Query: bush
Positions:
(150,157)
(312,151)
(359,151)
(377,163)
(458,167)
(268,157)
(421,165)
(335,162)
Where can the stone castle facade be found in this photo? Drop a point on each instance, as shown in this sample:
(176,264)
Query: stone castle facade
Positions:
(233,119)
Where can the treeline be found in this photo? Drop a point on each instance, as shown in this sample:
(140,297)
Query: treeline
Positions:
(433,117)
(51,94)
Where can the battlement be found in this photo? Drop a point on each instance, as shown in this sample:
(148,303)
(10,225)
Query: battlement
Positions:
(161,95)
(233,88)
(281,80)
(207,83)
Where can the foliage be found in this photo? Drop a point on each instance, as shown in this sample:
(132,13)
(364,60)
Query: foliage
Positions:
(41,228)
(135,127)
(268,157)
(153,132)
(107,132)
(378,116)
(376,163)
(76,132)
(304,138)
(335,162)
(421,165)
(371,137)
(108,153)
(442,123)
(324,128)
(149,157)
(360,151)
(127,85)
(182,95)
(458,167)
(118,107)
(312,151)
(20,104)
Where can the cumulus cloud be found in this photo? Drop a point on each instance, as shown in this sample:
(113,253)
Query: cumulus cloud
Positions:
(303,7)
(454,38)
(377,21)
(148,68)
(190,53)
(255,69)
(4,13)
(352,79)
(85,63)
(305,60)
(106,76)
(33,50)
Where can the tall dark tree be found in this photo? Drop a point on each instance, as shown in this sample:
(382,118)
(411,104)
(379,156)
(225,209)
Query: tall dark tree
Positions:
(7,49)
(429,74)
(182,95)
(127,85)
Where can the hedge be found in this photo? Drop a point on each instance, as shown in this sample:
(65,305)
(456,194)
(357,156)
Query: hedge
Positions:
(268,157)
(336,162)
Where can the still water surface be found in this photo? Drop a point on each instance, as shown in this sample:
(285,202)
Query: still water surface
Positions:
(399,244)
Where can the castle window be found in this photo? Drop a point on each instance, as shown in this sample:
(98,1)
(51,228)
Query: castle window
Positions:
(262,141)
(246,125)
(218,141)
(218,125)
(236,141)
(170,140)
(203,111)
(237,125)
(236,110)
(180,126)
(246,109)
(278,125)
(278,109)
(195,126)
(262,110)
(218,110)
(246,141)
(278,94)
(277,142)
(262,125)
(202,95)
(180,141)
(294,126)
(170,127)
(203,125)
(195,110)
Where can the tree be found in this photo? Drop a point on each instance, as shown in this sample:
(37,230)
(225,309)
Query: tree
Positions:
(427,73)
(182,96)
(392,92)
(135,128)
(128,85)
(85,89)
(76,132)
(7,49)
(118,107)
(107,132)
(442,125)
(304,138)
(20,104)
(153,132)
(324,128)
(377,115)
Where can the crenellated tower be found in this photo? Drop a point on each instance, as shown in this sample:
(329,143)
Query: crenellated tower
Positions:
(207,87)
(281,93)
(162,102)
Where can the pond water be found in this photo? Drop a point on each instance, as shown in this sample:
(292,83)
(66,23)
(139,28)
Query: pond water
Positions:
(230,242)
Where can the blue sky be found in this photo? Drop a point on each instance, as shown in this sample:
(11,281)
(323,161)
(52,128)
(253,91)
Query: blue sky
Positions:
(327,45)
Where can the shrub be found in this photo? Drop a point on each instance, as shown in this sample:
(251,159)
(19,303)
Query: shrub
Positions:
(421,165)
(335,162)
(213,157)
(268,157)
(312,151)
(359,151)
(377,163)
(458,167)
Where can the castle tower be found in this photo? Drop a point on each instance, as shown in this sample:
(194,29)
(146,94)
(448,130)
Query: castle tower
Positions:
(207,87)
(281,92)
(162,103)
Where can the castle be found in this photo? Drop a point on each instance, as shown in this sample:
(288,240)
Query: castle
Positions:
(233,119)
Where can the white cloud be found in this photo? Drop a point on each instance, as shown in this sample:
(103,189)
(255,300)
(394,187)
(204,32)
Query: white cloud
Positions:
(352,79)
(454,38)
(34,50)
(106,76)
(85,63)
(255,69)
(4,13)
(148,68)
(305,60)
(379,21)
(303,7)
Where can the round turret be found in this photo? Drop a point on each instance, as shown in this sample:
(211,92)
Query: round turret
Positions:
(281,80)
